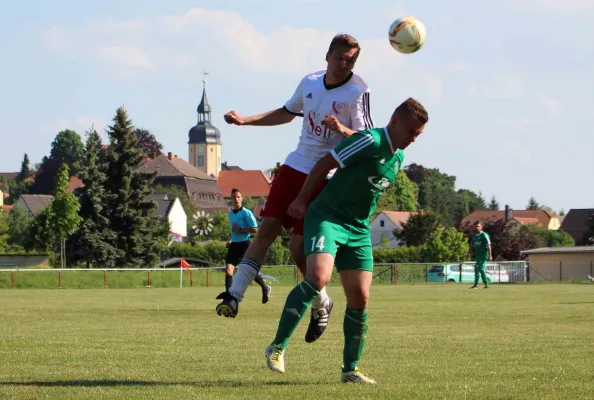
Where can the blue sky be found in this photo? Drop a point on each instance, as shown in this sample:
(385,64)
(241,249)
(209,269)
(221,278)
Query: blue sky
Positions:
(508,84)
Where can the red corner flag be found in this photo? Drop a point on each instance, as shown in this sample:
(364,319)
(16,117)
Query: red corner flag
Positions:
(184,264)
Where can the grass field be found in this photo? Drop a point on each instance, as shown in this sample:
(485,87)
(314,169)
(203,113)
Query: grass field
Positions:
(425,342)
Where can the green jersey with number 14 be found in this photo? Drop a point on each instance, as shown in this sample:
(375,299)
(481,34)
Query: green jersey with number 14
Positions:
(368,165)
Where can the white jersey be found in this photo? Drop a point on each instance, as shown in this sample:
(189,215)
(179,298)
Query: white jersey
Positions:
(313,100)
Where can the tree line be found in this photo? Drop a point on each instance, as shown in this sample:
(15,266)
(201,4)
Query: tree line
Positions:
(107,222)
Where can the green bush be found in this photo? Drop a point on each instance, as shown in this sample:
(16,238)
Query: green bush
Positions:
(404,254)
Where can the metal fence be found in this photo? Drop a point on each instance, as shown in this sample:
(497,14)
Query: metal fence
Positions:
(427,273)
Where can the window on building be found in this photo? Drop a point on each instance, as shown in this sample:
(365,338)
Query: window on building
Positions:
(382,223)
(201,161)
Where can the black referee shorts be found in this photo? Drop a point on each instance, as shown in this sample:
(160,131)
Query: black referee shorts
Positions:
(235,252)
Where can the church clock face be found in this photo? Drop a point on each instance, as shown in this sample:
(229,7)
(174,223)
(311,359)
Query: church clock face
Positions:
(200,149)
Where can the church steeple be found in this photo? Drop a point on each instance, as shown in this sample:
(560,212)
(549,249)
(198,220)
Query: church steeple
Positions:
(205,146)
(204,109)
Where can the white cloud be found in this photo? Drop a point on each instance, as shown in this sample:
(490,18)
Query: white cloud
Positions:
(55,39)
(127,56)
(227,42)
(552,106)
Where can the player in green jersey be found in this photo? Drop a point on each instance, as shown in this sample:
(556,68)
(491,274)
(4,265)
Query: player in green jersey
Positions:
(481,246)
(337,232)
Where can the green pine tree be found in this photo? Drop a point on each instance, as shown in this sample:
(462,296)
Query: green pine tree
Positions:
(493,204)
(131,209)
(62,216)
(25,172)
(533,204)
(93,242)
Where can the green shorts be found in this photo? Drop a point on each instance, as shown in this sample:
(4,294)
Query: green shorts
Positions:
(350,246)
(480,265)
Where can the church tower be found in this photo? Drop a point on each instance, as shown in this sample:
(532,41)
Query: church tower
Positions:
(204,145)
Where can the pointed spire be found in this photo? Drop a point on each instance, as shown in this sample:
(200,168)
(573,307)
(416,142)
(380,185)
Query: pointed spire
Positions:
(204,107)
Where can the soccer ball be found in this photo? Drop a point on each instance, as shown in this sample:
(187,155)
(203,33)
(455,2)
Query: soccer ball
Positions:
(407,35)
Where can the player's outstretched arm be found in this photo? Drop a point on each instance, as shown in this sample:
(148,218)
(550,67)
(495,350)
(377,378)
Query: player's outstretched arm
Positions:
(279,116)
(313,181)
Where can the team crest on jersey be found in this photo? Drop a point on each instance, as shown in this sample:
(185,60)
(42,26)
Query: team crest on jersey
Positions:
(379,184)
(337,107)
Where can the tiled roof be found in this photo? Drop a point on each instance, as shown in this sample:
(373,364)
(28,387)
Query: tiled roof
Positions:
(36,203)
(575,221)
(175,166)
(74,184)
(226,167)
(9,175)
(544,217)
(205,195)
(251,183)
(560,250)
(397,217)
(164,202)
(526,221)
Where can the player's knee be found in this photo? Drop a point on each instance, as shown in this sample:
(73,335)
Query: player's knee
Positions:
(319,280)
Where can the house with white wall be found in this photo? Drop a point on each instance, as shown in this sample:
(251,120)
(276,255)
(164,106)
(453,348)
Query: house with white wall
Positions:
(383,225)
(170,209)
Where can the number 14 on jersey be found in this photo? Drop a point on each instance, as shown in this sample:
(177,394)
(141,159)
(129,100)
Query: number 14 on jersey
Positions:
(317,243)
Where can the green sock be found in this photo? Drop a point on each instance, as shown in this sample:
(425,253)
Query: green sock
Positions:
(295,306)
(484,278)
(355,335)
(476,276)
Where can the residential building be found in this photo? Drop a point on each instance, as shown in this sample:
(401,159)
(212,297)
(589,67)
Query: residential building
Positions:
(383,225)
(34,204)
(575,223)
(251,183)
(170,209)
(542,218)
(202,189)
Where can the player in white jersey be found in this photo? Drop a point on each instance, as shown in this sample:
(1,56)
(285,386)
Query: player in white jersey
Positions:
(334,104)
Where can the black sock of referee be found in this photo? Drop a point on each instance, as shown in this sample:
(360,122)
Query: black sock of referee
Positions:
(228,282)
(260,281)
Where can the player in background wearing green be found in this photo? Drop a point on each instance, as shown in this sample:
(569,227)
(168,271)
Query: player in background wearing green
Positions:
(481,246)
(336,230)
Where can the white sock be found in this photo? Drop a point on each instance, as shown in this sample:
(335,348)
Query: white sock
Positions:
(320,301)
(245,274)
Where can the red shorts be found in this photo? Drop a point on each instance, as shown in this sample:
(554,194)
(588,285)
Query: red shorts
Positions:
(285,188)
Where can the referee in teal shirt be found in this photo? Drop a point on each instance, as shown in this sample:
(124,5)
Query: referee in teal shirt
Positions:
(243,226)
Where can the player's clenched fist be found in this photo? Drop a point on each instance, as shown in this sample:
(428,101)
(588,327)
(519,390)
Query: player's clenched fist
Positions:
(297,209)
(333,124)
(233,117)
